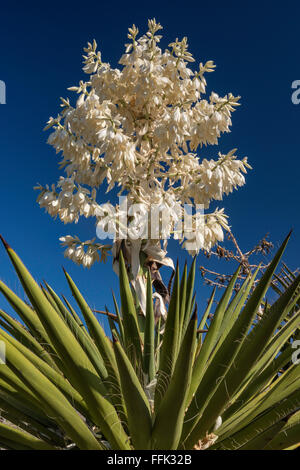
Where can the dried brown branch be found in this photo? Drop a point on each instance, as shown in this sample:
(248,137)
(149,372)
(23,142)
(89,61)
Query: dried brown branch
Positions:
(108,314)
(220,280)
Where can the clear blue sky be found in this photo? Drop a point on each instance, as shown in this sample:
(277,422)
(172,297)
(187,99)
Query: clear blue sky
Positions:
(256,48)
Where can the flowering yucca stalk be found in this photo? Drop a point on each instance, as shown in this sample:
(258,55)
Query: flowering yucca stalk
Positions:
(139,128)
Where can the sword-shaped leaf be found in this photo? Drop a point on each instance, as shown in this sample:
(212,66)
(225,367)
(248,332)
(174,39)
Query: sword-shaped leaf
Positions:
(149,359)
(169,346)
(79,369)
(137,405)
(170,413)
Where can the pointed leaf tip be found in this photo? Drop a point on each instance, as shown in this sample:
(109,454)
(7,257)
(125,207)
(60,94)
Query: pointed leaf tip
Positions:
(6,245)
(194,316)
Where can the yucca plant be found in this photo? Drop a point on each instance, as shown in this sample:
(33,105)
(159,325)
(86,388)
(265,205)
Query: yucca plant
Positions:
(153,384)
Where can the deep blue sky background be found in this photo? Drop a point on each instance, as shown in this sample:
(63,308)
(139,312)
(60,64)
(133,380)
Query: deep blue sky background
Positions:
(256,48)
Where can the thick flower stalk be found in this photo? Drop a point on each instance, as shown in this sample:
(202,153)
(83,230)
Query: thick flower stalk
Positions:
(139,127)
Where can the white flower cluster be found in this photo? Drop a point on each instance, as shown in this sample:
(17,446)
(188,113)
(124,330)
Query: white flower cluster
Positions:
(85,253)
(139,127)
(206,231)
(68,200)
(212,179)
